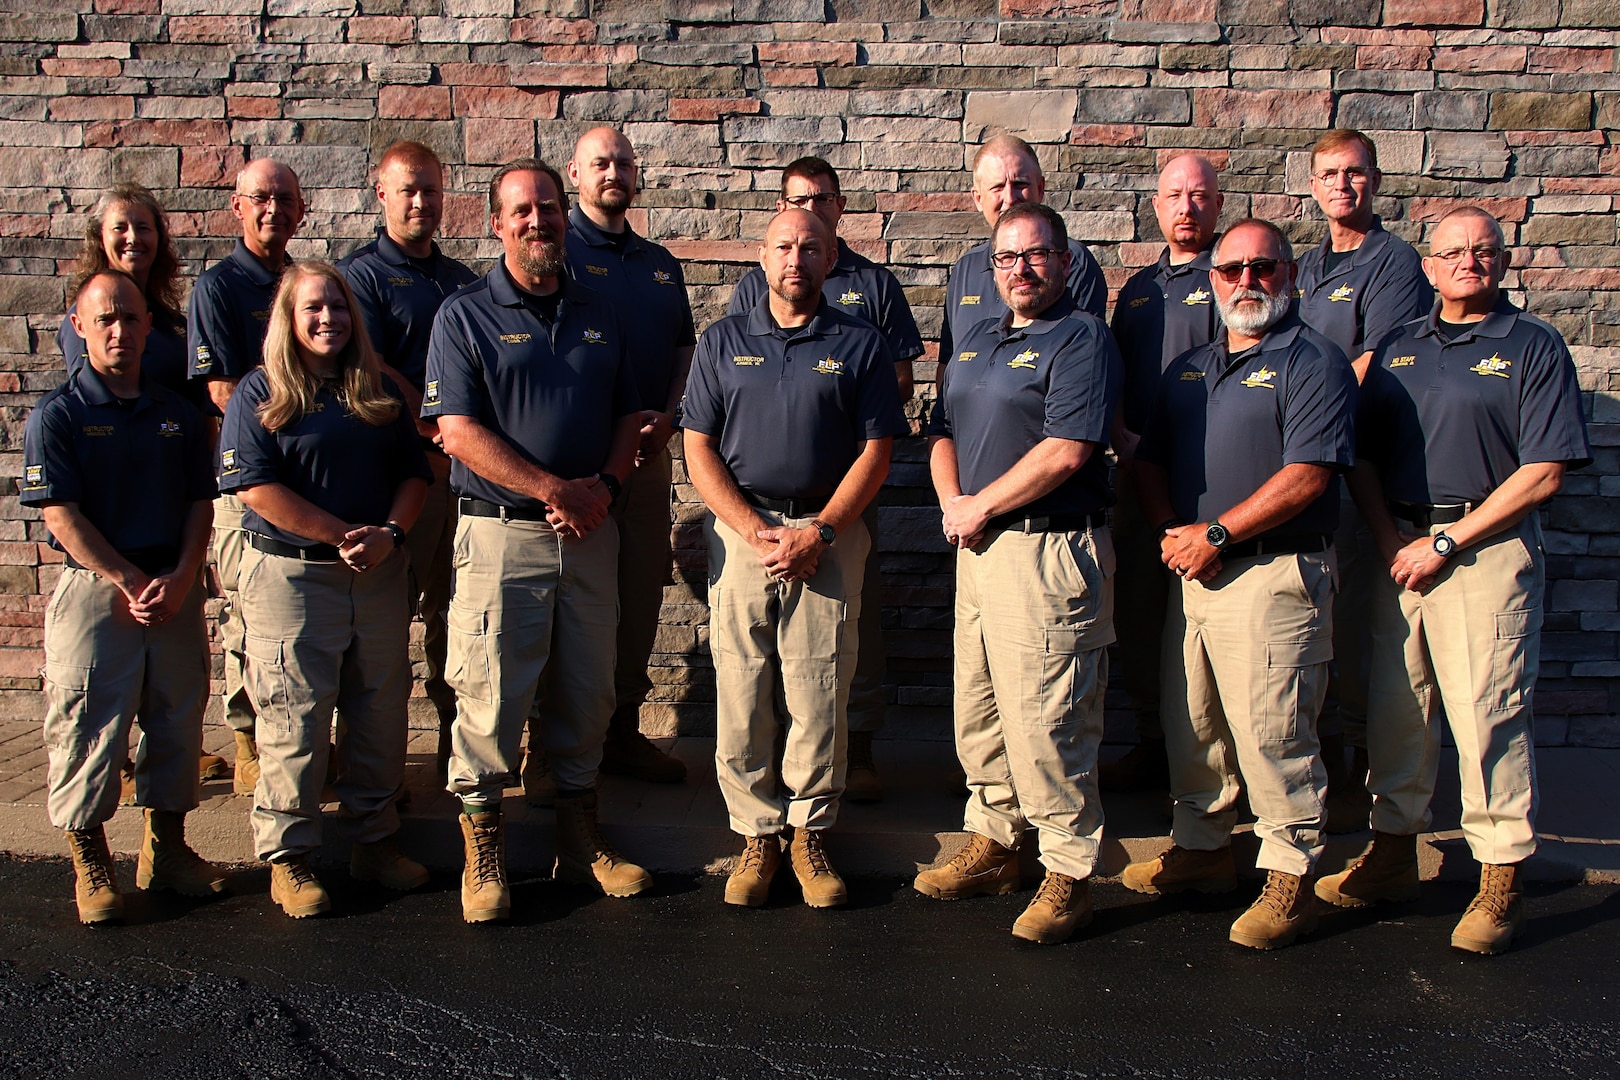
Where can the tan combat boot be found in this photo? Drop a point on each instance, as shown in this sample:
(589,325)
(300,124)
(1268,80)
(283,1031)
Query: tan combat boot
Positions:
(247,764)
(1061,906)
(1493,919)
(584,857)
(861,782)
(485,896)
(982,868)
(167,861)
(1286,909)
(1180,869)
(293,886)
(1387,872)
(627,752)
(382,861)
(750,883)
(539,786)
(818,881)
(126,784)
(212,767)
(95,885)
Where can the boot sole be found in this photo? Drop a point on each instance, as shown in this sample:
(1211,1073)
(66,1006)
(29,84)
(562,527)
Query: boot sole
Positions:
(487,915)
(1485,948)
(828,901)
(1339,899)
(305,911)
(999,889)
(216,772)
(746,898)
(151,884)
(571,876)
(1048,937)
(1252,942)
(101,918)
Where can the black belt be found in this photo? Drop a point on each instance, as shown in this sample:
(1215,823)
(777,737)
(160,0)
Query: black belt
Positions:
(480,508)
(312,553)
(1277,545)
(1426,514)
(151,561)
(1027,523)
(793,508)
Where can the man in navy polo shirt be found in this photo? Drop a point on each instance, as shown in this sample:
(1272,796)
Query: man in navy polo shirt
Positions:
(529,378)
(399,281)
(1467,423)
(1239,464)
(859,287)
(1006,173)
(645,283)
(123,472)
(1026,404)
(1355,288)
(1163,310)
(789,419)
(227,318)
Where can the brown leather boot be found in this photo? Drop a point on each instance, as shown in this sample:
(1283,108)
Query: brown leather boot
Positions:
(95,885)
(982,868)
(862,783)
(294,887)
(1061,906)
(584,857)
(247,764)
(167,861)
(1180,869)
(539,786)
(1387,872)
(1496,913)
(485,896)
(750,883)
(212,767)
(818,881)
(382,861)
(1286,909)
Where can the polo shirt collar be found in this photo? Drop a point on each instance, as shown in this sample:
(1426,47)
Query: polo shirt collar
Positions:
(93,391)
(1498,324)
(505,292)
(1044,323)
(251,266)
(1371,245)
(394,255)
(1204,260)
(761,324)
(595,236)
(1280,336)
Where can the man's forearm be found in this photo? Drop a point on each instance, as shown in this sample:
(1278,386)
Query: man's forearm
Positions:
(494,459)
(943,469)
(621,459)
(220,389)
(1525,489)
(860,484)
(408,500)
(286,509)
(1047,464)
(717,487)
(677,378)
(1289,490)
(88,547)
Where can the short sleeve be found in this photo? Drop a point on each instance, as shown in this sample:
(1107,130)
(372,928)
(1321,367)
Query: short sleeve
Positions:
(1086,282)
(1551,427)
(1083,387)
(939,417)
(201,483)
(1318,421)
(408,453)
(686,332)
(208,332)
(50,468)
(373,312)
(878,396)
(899,326)
(248,454)
(704,408)
(1395,297)
(454,383)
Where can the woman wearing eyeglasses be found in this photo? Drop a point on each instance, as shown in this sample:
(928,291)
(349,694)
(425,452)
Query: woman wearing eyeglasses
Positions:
(318,446)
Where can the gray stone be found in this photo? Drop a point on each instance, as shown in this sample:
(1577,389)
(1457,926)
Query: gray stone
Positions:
(770,11)
(1335,12)
(1036,115)
(320,166)
(783,129)
(1148,31)
(616,105)
(1374,112)
(1451,110)
(1466,155)
(682,53)
(938,103)
(1133,105)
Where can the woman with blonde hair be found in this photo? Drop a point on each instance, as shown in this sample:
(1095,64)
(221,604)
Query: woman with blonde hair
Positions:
(127,230)
(320,448)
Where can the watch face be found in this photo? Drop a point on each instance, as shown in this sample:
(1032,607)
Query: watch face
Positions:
(1217,535)
(1444,545)
(827,534)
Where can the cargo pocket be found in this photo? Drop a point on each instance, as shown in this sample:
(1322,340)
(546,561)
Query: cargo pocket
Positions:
(265,674)
(1295,683)
(467,661)
(1071,682)
(67,690)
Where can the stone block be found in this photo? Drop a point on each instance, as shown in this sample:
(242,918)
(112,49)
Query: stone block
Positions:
(1036,115)
(210,166)
(311,8)
(415,102)
(1150,32)
(30,293)
(39,26)
(464,31)
(1588,13)
(784,129)
(505,102)
(884,129)
(466,9)
(1533,111)
(1374,111)
(1569,229)
(676,145)
(617,106)
(37,133)
(1133,105)
(1225,108)
(946,104)
(773,11)
(1331,12)
(1434,12)
(1466,155)
(560,75)
(1451,110)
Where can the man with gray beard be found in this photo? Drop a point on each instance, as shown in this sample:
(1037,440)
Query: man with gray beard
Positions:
(1239,465)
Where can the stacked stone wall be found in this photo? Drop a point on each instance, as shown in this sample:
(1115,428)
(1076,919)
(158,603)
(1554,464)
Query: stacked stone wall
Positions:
(1511,104)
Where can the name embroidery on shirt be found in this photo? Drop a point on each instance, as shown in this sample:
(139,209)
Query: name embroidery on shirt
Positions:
(600,270)
(829,366)
(1139,301)
(262,316)
(515,339)
(97,429)
(33,477)
(593,337)
(169,428)
(748,361)
(969,300)
(1025,359)
(852,297)
(402,281)
(1493,365)
(1402,361)
(1344,294)
(964,357)
(1196,297)
(1192,376)
(227,461)
(1261,377)
(663,277)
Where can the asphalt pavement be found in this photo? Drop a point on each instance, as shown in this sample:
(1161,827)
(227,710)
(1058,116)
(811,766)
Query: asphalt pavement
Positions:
(678,985)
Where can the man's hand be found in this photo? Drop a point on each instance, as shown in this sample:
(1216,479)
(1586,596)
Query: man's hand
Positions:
(159,599)
(578,506)
(1187,550)
(792,554)
(429,429)
(365,547)
(1416,565)
(965,520)
(657,428)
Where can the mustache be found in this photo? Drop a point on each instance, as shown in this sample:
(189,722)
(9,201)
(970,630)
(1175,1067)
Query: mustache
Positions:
(1248,294)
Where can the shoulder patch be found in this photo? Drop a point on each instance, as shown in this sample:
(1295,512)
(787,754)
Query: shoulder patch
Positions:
(227,460)
(430,393)
(33,477)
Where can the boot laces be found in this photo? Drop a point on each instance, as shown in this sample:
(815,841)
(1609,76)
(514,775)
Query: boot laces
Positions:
(972,851)
(298,873)
(815,854)
(486,854)
(595,842)
(96,869)
(1056,889)
(1280,893)
(1495,892)
(753,857)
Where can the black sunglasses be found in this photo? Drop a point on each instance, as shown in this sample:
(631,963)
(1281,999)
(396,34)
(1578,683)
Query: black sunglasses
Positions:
(1232,272)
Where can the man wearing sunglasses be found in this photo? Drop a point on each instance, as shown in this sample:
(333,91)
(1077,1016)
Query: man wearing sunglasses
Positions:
(1239,464)
(860,287)
(1355,288)
(1025,407)
(1163,310)
(1468,421)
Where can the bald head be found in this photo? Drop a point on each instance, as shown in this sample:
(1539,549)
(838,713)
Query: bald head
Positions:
(796,256)
(270,207)
(1187,204)
(111,315)
(603,171)
(1005,173)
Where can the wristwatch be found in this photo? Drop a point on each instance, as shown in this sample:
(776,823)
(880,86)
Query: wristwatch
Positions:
(612,483)
(1444,545)
(1217,535)
(396,532)
(823,530)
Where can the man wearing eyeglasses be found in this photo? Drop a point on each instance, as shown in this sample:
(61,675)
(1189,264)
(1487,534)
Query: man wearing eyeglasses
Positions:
(860,287)
(1163,310)
(1239,466)
(1025,408)
(1355,288)
(226,321)
(1467,423)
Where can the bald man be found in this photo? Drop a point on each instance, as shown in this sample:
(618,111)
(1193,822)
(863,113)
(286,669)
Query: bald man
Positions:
(229,312)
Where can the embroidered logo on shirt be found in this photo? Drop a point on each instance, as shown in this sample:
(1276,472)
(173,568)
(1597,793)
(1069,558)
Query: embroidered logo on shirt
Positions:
(1261,377)
(964,357)
(593,337)
(1139,301)
(205,359)
(402,281)
(97,429)
(1403,361)
(1025,359)
(1192,376)
(515,339)
(1196,297)
(852,297)
(829,366)
(1493,365)
(430,394)
(227,461)
(169,428)
(600,270)
(262,316)
(33,477)
(663,277)
(748,361)
(1299,294)
(1344,294)
(966,300)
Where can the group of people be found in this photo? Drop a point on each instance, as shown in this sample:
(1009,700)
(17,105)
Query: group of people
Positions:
(397,433)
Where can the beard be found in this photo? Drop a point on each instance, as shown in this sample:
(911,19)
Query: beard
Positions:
(1251,320)
(1028,305)
(416,229)
(547,262)
(611,200)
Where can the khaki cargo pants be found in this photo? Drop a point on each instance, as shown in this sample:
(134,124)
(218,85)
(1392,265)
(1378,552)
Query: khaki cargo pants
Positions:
(229,543)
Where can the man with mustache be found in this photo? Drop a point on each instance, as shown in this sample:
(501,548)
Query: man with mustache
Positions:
(399,281)
(529,378)
(788,423)
(1162,311)
(1355,288)
(1239,469)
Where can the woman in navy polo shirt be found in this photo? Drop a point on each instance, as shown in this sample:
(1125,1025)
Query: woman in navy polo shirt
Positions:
(320,448)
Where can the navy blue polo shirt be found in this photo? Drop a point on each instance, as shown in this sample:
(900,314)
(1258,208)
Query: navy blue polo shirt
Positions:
(856,286)
(134,469)
(398,297)
(163,361)
(790,407)
(1449,421)
(328,456)
(229,313)
(1162,311)
(645,282)
(971,296)
(1008,388)
(1366,296)
(1221,426)
(553,390)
